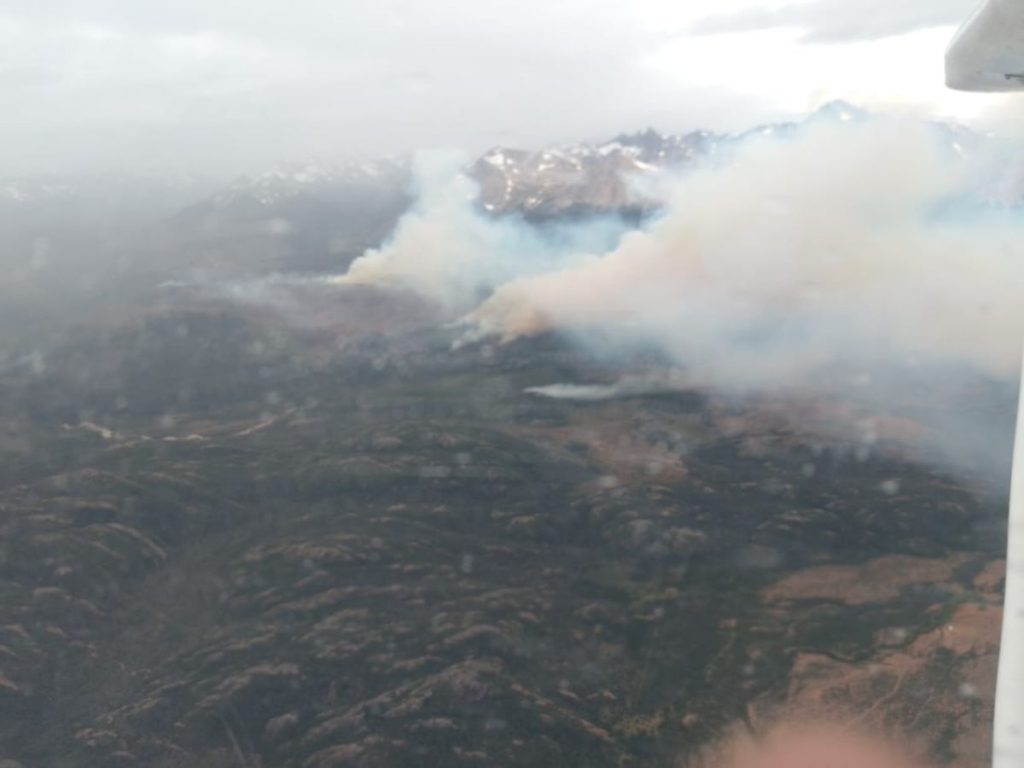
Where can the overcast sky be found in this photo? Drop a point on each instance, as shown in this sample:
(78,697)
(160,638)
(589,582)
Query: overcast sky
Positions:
(235,85)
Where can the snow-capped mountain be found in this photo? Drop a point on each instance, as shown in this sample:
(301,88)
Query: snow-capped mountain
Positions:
(96,201)
(310,216)
(597,178)
(582,178)
(544,182)
(613,176)
(291,181)
(316,216)
(32,190)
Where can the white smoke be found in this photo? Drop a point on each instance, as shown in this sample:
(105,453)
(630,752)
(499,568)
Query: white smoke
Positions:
(847,248)
(447,250)
(848,244)
(653,383)
(861,258)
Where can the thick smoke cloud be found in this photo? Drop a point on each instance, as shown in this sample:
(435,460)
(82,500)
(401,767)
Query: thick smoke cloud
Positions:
(447,250)
(848,259)
(850,243)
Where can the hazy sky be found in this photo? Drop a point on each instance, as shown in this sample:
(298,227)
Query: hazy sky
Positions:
(231,85)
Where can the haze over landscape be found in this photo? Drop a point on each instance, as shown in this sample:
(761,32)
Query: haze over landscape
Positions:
(231,87)
(380,390)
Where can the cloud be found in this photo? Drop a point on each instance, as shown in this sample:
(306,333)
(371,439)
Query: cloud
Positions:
(229,86)
(266,83)
(830,21)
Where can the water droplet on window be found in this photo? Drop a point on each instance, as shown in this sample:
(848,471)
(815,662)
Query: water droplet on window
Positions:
(969,691)
(890,487)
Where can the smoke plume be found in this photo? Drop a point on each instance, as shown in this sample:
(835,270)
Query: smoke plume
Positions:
(854,246)
(449,251)
(848,244)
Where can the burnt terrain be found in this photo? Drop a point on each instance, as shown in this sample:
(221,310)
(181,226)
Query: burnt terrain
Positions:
(230,537)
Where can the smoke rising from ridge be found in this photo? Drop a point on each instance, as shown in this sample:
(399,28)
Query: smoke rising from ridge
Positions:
(849,248)
(450,252)
(849,243)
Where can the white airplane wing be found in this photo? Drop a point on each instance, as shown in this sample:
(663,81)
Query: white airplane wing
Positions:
(988,52)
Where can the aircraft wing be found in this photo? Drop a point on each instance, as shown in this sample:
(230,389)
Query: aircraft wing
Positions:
(987,53)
